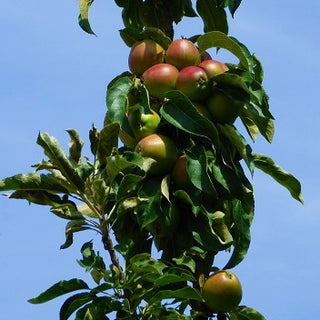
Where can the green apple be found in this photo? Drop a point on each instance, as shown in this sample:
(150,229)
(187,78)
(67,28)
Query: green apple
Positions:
(143,124)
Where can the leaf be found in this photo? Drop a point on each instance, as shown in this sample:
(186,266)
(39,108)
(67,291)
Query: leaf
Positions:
(233,6)
(117,99)
(117,163)
(180,112)
(246,313)
(72,227)
(83,19)
(218,39)
(38,197)
(156,35)
(73,303)
(197,169)
(75,146)
(242,216)
(32,182)
(187,261)
(173,275)
(59,289)
(67,211)
(283,177)
(239,142)
(60,160)
(213,16)
(186,293)
(108,139)
(128,184)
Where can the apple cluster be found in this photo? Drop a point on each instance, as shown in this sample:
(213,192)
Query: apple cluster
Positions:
(180,67)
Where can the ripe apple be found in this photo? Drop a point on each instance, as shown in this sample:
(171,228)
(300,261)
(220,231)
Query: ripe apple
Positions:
(159,79)
(143,124)
(222,108)
(193,81)
(143,55)
(213,67)
(160,153)
(222,291)
(182,53)
(180,174)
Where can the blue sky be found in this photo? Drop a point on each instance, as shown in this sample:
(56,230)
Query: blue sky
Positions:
(53,77)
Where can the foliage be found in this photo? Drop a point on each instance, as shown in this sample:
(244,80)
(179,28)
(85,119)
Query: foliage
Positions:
(113,193)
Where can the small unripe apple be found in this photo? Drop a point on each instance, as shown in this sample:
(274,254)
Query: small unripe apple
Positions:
(143,124)
(180,174)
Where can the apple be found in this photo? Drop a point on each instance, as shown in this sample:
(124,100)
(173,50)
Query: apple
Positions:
(222,291)
(159,79)
(182,53)
(213,67)
(180,174)
(160,153)
(193,81)
(143,55)
(143,124)
(222,108)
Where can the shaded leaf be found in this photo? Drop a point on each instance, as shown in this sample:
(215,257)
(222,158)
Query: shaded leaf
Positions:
(213,16)
(59,289)
(180,112)
(66,211)
(186,293)
(73,303)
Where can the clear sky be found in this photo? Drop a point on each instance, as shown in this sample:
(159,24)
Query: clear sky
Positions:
(53,77)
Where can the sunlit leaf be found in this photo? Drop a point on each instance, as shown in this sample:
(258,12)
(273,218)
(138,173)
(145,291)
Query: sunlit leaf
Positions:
(217,39)
(267,165)
(59,159)
(83,19)
(246,313)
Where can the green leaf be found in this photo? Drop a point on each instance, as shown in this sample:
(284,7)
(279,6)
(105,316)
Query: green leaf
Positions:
(180,112)
(213,16)
(173,275)
(242,215)
(59,289)
(83,19)
(73,303)
(72,227)
(128,184)
(187,261)
(32,182)
(108,139)
(67,211)
(117,163)
(186,293)
(60,160)
(246,313)
(117,100)
(75,146)
(217,39)
(283,177)
(239,142)
(197,169)
(156,35)
(38,197)
(233,6)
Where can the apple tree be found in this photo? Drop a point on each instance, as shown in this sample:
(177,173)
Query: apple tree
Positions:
(167,186)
